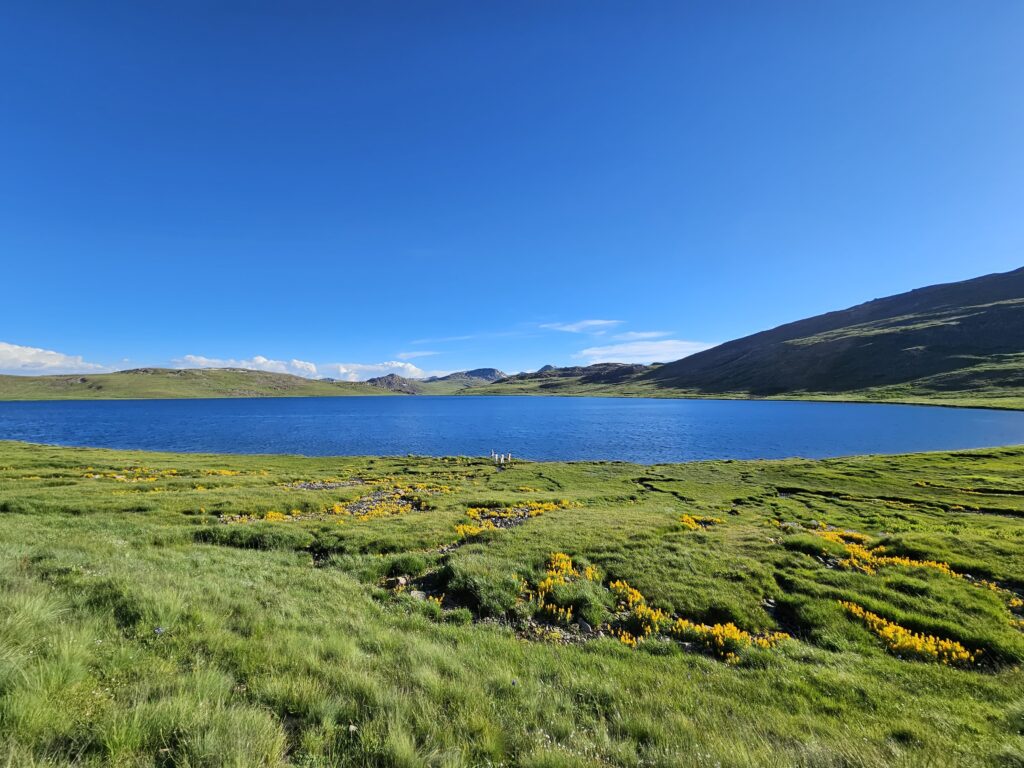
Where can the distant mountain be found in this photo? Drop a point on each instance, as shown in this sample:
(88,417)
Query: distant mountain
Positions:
(438,385)
(956,343)
(169,383)
(486,375)
(392,382)
(955,337)
(612,379)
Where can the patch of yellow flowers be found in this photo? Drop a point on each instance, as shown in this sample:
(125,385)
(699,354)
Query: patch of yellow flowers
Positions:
(469,531)
(724,640)
(560,570)
(522,509)
(865,560)
(138,474)
(907,643)
(698,522)
(557,614)
(483,517)
(626,595)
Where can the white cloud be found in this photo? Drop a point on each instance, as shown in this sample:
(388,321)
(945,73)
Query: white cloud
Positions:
(583,326)
(662,351)
(33,360)
(638,335)
(342,371)
(256,363)
(413,355)
(364,371)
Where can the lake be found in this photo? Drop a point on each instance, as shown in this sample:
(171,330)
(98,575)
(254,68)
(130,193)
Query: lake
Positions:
(542,428)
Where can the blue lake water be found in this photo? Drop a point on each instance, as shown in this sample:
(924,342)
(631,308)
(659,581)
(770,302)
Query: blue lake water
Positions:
(541,428)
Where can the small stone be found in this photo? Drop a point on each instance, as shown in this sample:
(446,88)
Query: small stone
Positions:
(418,595)
(585,627)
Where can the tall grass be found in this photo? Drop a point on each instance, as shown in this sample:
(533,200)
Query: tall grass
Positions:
(165,637)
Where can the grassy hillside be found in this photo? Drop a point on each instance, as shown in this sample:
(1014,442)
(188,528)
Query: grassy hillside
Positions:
(944,339)
(438,385)
(162,609)
(955,344)
(608,379)
(173,383)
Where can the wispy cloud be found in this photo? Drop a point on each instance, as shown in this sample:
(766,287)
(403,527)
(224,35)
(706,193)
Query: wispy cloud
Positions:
(364,371)
(255,363)
(661,351)
(471,337)
(414,355)
(445,339)
(17,359)
(638,335)
(583,326)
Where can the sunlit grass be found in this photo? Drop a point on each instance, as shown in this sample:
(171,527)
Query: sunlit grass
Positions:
(144,623)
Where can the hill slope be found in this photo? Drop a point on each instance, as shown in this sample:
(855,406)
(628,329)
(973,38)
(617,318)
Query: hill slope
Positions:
(963,338)
(143,383)
(956,344)
(438,385)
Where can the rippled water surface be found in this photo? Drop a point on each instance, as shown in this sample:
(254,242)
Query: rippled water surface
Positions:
(543,428)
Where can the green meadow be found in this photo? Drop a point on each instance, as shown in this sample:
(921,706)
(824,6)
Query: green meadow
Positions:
(165,609)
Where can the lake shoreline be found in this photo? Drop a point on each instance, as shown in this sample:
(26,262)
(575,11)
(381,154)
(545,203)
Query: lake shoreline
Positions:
(638,430)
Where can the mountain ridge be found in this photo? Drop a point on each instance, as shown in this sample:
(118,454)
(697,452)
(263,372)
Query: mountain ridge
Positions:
(956,343)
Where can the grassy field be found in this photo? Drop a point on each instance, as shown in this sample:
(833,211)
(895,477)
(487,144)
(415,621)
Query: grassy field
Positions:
(163,383)
(915,393)
(199,610)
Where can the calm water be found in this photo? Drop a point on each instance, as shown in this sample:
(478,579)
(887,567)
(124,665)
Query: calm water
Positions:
(552,428)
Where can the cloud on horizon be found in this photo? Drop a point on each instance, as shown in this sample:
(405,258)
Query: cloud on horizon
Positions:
(16,359)
(255,363)
(342,371)
(583,326)
(662,351)
(364,371)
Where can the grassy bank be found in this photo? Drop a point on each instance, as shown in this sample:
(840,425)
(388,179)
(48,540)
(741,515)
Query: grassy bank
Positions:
(1005,398)
(163,609)
(166,383)
(172,383)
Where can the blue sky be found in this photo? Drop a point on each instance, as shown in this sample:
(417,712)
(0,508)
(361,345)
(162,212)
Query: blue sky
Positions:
(432,186)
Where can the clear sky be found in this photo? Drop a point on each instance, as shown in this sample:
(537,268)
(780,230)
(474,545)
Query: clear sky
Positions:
(432,186)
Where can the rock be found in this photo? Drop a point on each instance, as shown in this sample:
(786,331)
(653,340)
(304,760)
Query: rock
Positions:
(584,626)
(418,595)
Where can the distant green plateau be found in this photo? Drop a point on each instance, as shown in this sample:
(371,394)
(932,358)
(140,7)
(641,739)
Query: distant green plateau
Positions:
(957,344)
(169,383)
